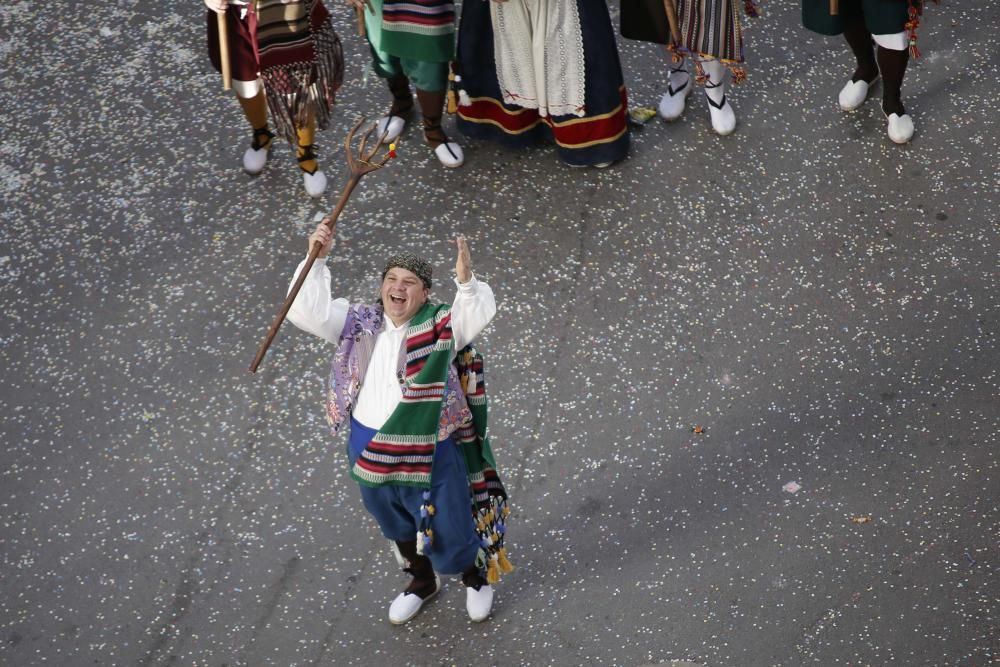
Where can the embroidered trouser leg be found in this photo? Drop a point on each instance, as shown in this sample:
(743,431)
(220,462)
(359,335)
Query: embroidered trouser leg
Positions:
(397,508)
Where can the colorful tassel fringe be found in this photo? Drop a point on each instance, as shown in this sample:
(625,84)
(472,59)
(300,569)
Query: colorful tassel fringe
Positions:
(491,527)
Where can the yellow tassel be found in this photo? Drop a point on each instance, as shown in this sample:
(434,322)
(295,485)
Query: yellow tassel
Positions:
(430,510)
(492,573)
(494,537)
(505,565)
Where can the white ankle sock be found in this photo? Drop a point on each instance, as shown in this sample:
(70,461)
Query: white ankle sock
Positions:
(715,87)
(677,78)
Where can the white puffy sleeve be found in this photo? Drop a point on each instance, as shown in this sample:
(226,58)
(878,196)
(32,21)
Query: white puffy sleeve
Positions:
(472,310)
(314,310)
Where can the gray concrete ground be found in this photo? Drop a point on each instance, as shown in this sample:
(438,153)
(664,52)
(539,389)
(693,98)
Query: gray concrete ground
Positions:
(823,302)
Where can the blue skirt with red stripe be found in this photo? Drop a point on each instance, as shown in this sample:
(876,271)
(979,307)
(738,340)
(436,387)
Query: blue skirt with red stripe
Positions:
(600,136)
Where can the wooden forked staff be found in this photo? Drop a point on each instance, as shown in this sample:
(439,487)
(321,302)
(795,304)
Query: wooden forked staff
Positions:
(363,163)
(675,32)
(227,72)
(359,15)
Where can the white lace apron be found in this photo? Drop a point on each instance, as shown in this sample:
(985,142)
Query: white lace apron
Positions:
(538,47)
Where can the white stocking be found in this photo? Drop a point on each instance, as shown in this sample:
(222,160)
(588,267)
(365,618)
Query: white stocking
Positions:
(678,76)
(715,87)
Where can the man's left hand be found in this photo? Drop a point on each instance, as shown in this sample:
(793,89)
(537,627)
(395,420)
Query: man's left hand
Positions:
(463,261)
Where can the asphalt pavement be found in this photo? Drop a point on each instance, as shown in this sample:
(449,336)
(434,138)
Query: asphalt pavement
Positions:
(745,390)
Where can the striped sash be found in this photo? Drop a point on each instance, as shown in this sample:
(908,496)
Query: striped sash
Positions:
(402,452)
(423,17)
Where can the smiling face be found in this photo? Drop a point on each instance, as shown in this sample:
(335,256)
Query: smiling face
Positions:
(403,293)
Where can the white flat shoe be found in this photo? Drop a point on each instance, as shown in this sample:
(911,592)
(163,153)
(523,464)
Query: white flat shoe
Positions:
(479,603)
(672,103)
(314,183)
(900,128)
(450,154)
(392,126)
(854,94)
(254,160)
(255,157)
(723,116)
(406,605)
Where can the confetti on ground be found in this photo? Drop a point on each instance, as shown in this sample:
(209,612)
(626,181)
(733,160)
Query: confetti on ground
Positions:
(826,299)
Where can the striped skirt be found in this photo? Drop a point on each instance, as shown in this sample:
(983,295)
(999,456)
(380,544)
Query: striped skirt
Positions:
(709,28)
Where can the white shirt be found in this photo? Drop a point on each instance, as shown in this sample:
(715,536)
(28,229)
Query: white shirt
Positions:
(317,312)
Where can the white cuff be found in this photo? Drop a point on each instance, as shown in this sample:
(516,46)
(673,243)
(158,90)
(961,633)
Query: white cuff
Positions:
(246,89)
(895,42)
(468,288)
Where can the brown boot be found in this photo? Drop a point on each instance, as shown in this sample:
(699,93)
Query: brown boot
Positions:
(432,108)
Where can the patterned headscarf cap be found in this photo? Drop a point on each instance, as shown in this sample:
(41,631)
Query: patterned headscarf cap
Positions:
(410,262)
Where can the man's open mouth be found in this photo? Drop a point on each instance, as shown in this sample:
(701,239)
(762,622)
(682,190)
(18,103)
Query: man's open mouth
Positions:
(397,299)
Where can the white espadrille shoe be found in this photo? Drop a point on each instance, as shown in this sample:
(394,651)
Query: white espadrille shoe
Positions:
(900,128)
(673,101)
(479,603)
(450,154)
(256,156)
(407,605)
(254,160)
(314,183)
(854,94)
(391,126)
(723,116)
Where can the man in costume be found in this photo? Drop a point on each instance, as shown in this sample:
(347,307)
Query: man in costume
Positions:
(286,57)
(410,386)
(711,38)
(413,42)
(892,25)
(533,69)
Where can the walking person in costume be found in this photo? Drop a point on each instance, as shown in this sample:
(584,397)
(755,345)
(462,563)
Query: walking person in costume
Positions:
(412,43)
(408,385)
(711,37)
(892,26)
(286,58)
(536,69)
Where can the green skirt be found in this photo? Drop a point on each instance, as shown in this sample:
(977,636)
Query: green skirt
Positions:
(881,17)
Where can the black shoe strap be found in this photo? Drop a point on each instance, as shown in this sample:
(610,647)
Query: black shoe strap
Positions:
(672,92)
(261,137)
